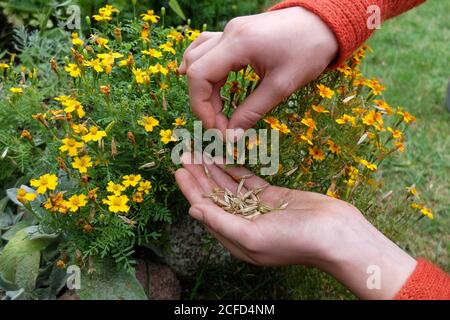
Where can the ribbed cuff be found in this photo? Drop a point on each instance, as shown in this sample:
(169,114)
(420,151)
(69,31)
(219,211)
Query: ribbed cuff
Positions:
(427,282)
(346,18)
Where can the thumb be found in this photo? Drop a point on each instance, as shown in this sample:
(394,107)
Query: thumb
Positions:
(273,89)
(223,223)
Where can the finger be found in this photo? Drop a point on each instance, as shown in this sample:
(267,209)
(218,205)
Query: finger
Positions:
(217,103)
(236,172)
(190,56)
(189,161)
(223,223)
(204,36)
(211,68)
(190,187)
(273,89)
(223,179)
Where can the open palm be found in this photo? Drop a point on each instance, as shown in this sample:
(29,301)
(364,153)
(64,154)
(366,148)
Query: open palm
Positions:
(300,234)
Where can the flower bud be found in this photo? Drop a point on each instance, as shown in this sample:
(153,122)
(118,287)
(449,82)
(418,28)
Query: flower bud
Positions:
(163,11)
(88,21)
(131,137)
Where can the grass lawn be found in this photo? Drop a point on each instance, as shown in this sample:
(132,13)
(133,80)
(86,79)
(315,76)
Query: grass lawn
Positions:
(412,58)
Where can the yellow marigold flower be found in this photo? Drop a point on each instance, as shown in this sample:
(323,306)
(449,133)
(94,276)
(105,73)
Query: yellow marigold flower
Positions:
(108,60)
(62,98)
(16,90)
(353,174)
(23,196)
(105,13)
(158,68)
(150,16)
(175,35)
(145,186)
(382,105)
(273,122)
(168,47)
(407,117)
(307,138)
(140,76)
(283,128)
(358,111)
(251,76)
(400,146)
(309,122)
(345,70)
(325,92)
(145,32)
(193,34)
(368,165)
(95,64)
(56,203)
(60,264)
(94,134)
(45,182)
(71,146)
(73,70)
(167,136)
(117,203)
(376,87)
(76,41)
(79,129)
(332,194)
(149,123)
(4,66)
(320,109)
(127,62)
(397,134)
(316,153)
(72,105)
(172,66)
(152,53)
(26,134)
(333,147)
(179,122)
(82,163)
(163,86)
(115,188)
(347,119)
(138,197)
(427,212)
(131,180)
(374,119)
(277,125)
(101,42)
(413,190)
(76,202)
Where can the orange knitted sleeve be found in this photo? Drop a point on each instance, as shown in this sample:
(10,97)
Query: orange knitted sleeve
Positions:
(427,282)
(348,18)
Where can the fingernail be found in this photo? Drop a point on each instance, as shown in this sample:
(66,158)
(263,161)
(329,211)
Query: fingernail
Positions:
(195,213)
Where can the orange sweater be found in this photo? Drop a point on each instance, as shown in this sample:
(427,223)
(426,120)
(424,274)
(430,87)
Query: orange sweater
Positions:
(348,20)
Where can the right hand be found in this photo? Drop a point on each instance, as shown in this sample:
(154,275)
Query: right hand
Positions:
(287,48)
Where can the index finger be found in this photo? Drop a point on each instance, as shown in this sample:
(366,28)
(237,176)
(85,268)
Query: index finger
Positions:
(203,75)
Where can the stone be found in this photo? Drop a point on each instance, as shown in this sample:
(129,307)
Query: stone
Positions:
(158,280)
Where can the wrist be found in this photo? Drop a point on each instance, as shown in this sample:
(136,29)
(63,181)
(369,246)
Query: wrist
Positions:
(367,262)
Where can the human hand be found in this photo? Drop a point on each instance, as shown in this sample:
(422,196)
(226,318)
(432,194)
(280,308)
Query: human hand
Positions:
(313,230)
(287,48)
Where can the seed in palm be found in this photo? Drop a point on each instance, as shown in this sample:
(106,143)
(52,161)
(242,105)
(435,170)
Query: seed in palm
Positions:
(248,204)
